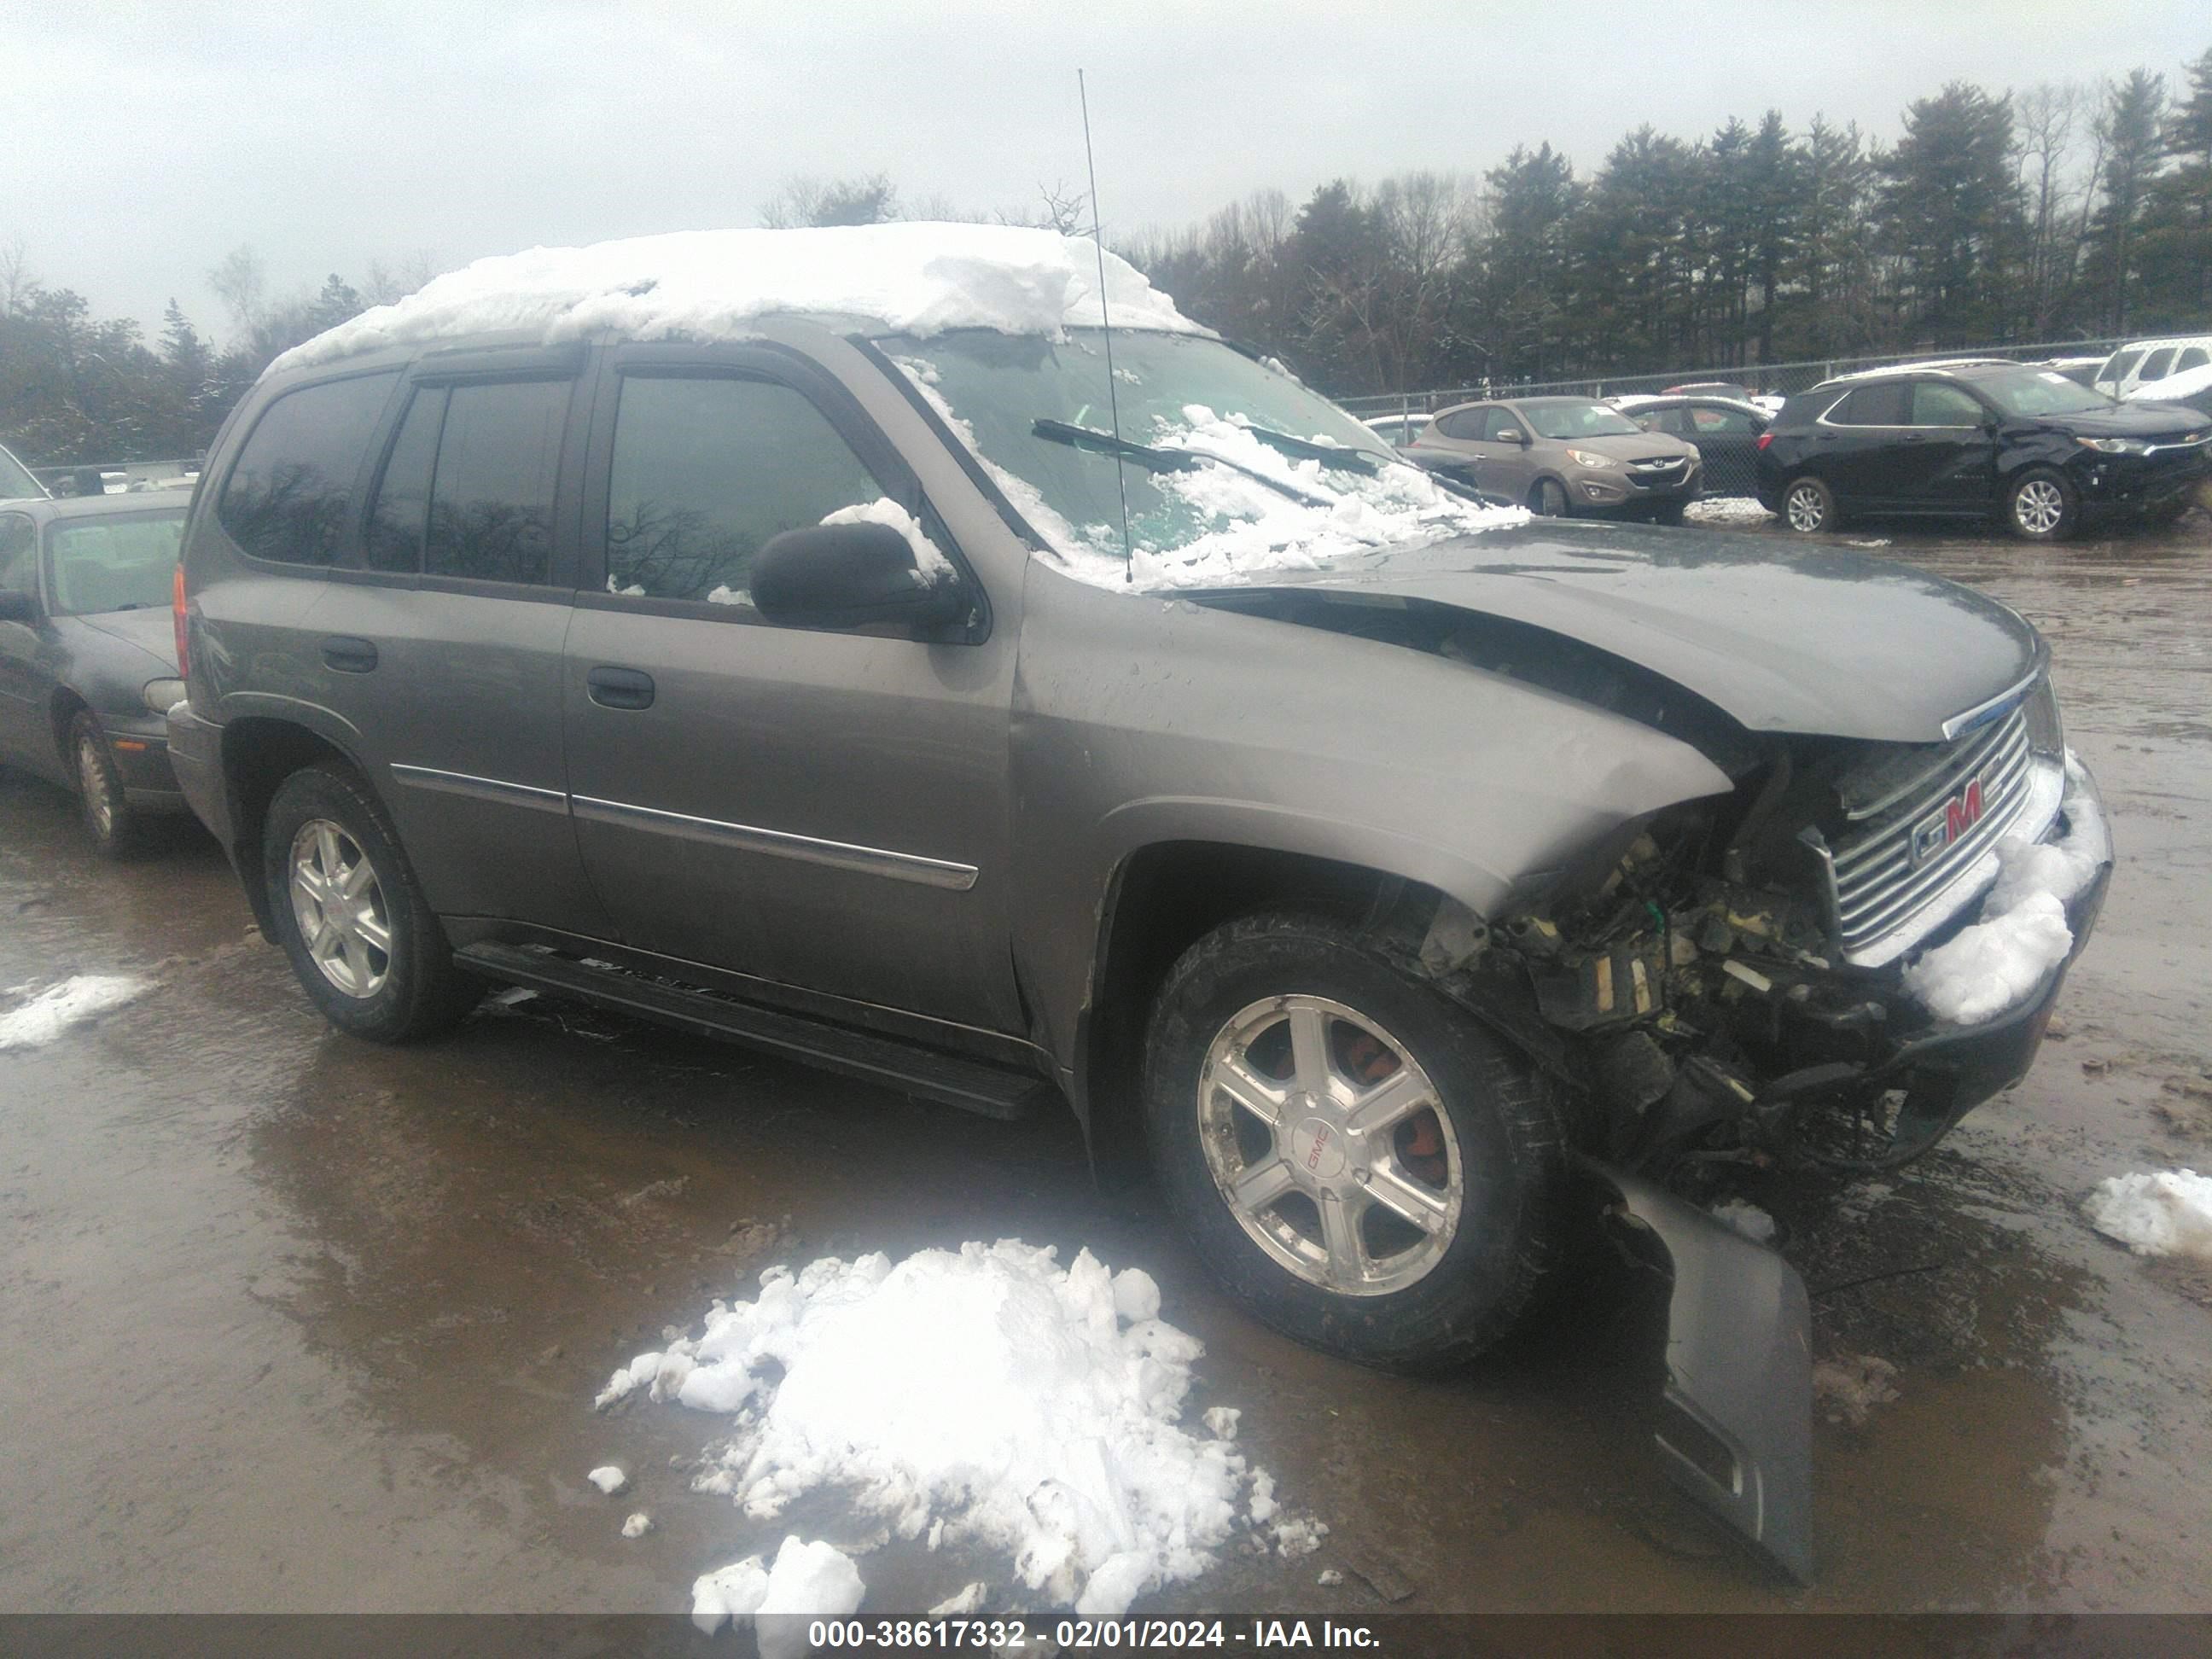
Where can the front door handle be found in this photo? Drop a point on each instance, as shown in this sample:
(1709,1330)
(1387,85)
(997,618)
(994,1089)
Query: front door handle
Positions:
(619,688)
(349,655)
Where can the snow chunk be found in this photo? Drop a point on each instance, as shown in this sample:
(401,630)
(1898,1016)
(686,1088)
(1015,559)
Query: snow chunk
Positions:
(57,1008)
(1221,1421)
(986,1395)
(809,1580)
(1726,509)
(1329,1576)
(727,1593)
(608,1478)
(968,1600)
(914,278)
(1995,963)
(1851,1385)
(931,566)
(2169,1213)
(638,1525)
(1748,1218)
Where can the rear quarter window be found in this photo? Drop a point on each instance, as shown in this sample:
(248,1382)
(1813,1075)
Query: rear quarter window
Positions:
(1872,406)
(289,497)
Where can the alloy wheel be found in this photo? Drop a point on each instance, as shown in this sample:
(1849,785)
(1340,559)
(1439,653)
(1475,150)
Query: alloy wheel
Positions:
(1804,509)
(1330,1145)
(339,905)
(2038,506)
(92,780)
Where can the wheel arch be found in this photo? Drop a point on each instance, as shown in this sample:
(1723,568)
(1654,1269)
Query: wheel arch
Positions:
(260,751)
(1161,899)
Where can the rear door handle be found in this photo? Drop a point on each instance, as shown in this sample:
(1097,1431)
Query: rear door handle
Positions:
(619,688)
(349,655)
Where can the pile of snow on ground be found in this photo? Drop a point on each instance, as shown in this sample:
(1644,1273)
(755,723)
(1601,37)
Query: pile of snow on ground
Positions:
(809,1580)
(915,278)
(986,1396)
(1726,509)
(2022,934)
(54,1010)
(2169,1213)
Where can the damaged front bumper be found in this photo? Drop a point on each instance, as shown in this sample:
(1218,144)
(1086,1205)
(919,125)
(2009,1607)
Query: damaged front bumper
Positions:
(1946,1070)
(1736,1431)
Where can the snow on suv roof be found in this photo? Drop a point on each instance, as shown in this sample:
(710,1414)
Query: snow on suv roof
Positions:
(918,278)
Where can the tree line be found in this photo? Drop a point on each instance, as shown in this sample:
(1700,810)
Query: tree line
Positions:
(2070,210)
(2066,211)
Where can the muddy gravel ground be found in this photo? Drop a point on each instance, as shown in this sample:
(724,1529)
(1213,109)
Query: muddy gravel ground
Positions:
(291,1322)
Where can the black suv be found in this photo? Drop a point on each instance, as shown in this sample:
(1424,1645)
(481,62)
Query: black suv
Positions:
(1976,440)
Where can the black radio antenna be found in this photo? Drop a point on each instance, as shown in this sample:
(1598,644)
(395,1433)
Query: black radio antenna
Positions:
(1106,325)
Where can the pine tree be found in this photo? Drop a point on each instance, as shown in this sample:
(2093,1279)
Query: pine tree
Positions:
(2134,148)
(1951,219)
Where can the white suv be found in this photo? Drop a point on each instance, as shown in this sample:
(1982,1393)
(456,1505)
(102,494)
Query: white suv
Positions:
(2139,362)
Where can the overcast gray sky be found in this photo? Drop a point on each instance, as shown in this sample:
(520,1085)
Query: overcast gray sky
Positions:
(146,141)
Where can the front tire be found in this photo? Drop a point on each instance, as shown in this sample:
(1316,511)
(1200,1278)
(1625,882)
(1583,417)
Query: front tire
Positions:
(363,944)
(2041,505)
(1358,1161)
(116,828)
(1548,499)
(1808,506)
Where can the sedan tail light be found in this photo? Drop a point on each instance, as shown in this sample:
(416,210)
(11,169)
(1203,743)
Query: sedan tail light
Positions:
(177,618)
(1764,439)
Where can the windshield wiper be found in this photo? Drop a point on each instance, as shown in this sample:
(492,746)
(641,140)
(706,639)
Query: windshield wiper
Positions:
(1156,460)
(1337,456)
(1105,443)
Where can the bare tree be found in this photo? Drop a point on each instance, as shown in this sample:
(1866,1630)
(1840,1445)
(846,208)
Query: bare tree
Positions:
(241,282)
(386,283)
(16,280)
(801,200)
(2048,122)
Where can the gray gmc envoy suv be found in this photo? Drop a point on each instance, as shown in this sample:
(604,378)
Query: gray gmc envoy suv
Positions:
(1381,866)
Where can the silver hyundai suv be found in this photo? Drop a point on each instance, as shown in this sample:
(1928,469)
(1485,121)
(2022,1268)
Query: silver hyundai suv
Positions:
(1565,457)
(865,670)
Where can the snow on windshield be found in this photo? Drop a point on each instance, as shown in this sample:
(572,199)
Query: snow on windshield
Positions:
(915,278)
(1215,500)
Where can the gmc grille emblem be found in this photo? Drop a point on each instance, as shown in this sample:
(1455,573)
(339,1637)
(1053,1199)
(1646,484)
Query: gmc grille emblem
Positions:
(1944,827)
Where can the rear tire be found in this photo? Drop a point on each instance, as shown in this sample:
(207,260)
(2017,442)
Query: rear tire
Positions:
(1400,1208)
(116,828)
(2041,505)
(369,950)
(1808,506)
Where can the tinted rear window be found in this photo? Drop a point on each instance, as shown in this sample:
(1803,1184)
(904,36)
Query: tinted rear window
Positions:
(290,496)
(2153,367)
(491,504)
(1872,406)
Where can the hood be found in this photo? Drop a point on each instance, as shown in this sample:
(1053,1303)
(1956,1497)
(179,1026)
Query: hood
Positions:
(2131,419)
(152,629)
(1641,446)
(1817,641)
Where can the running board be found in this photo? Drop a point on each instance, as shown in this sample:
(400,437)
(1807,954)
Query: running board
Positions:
(909,1068)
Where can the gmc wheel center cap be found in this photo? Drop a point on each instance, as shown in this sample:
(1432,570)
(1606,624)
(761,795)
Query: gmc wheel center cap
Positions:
(1317,1148)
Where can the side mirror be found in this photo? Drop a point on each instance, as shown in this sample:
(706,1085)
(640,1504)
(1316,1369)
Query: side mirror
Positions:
(17,606)
(847,575)
(1511,435)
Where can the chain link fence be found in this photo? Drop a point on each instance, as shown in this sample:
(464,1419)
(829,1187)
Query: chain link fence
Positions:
(1761,379)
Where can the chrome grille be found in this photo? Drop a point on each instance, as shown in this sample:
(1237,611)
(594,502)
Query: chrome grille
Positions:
(1881,879)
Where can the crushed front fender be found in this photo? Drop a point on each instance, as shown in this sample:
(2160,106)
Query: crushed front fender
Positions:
(1737,1434)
